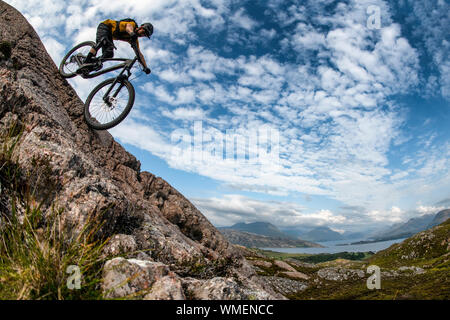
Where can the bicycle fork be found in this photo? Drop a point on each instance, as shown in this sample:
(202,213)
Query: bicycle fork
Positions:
(106,98)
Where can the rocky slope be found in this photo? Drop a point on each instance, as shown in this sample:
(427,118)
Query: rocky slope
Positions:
(173,248)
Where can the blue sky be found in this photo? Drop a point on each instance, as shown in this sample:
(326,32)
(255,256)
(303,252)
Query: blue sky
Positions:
(359,112)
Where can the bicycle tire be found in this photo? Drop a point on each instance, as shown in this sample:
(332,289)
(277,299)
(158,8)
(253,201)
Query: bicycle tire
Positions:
(91,122)
(69,54)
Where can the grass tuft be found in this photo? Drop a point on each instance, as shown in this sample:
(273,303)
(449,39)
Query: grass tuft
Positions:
(36,249)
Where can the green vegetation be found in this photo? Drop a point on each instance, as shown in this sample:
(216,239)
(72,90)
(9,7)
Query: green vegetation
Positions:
(324,257)
(431,285)
(317,258)
(35,248)
(279,255)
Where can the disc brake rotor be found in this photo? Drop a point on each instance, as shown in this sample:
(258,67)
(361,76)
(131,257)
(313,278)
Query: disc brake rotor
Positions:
(110,105)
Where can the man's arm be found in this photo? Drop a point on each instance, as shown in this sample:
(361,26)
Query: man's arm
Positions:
(141,56)
(130,29)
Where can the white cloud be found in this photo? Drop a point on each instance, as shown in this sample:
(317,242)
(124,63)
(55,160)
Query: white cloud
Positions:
(185,114)
(170,75)
(429,209)
(243,20)
(333,110)
(306,37)
(141,136)
(232,208)
(54,48)
(430,22)
(394,215)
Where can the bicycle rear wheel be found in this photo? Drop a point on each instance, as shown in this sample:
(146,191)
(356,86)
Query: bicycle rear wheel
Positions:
(102,112)
(71,62)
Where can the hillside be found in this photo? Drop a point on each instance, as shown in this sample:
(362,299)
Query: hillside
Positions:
(440,217)
(417,268)
(53,165)
(430,249)
(251,240)
(406,229)
(261,228)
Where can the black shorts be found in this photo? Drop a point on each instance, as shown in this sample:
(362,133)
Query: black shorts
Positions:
(104,31)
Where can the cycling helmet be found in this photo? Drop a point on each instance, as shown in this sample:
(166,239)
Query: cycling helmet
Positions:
(148,28)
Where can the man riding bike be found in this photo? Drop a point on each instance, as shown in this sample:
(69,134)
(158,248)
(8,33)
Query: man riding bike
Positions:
(124,30)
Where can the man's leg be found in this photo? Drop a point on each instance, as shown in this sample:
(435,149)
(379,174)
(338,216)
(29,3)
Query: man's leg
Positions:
(92,53)
(107,51)
(103,31)
(104,34)
(89,58)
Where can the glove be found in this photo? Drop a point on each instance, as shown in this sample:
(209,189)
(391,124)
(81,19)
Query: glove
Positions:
(133,36)
(147,70)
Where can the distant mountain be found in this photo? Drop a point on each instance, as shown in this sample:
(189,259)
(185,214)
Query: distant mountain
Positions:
(440,217)
(252,240)
(405,230)
(354,235)
(295,231)
(262,228)
(298,233)
(322,234)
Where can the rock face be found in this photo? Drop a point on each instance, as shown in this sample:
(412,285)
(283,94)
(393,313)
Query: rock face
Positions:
(284,265)
(339,274)
(131,277)
(284,285)
(296,275)
(91,173)
(220,288)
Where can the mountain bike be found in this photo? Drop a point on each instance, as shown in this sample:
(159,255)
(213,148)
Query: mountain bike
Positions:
(110,102)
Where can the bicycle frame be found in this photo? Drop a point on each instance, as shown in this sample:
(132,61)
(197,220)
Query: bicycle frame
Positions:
(126,65)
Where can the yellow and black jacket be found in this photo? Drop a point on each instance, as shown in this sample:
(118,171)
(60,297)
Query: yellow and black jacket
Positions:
(118,29)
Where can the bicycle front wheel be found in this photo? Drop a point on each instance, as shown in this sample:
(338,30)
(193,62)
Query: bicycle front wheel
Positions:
(71,62)
(103,111)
